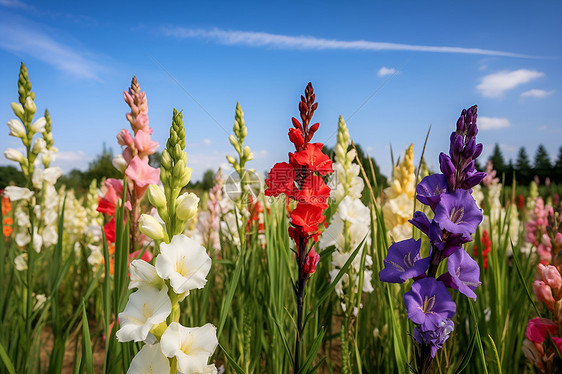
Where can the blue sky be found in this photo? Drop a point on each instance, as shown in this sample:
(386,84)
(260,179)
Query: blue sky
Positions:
(391,69)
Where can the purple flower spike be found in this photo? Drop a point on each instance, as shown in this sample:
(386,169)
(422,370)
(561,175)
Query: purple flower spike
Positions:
(435,338)
(403,262)
(430,189)
(464,273)
(429,303)
(457,213)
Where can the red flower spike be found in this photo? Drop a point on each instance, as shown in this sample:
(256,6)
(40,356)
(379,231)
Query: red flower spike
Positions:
(296,137)
(314,191)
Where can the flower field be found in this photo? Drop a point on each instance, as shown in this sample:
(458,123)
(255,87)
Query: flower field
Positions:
(315,266)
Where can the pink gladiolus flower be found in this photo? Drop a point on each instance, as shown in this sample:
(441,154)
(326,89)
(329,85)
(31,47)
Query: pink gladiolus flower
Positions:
(142,174)
(543,293)
(145,146)
(537,330)
(558,342)
(550,275)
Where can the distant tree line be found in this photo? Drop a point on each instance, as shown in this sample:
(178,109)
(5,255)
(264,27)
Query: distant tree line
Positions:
(524,169)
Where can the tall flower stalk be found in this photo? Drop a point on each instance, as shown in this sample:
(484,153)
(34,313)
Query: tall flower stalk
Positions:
(152,314)
(301,180)
(456,217)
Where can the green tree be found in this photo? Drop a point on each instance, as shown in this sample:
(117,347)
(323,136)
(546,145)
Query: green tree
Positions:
(101,167)
(10,175)
(543,166)
(498,160)
(523,167)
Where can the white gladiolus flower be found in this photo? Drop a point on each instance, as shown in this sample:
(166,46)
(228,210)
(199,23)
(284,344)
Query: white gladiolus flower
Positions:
(150,227)
(16,128)
(119,163)
(184,262)
(22,238)
(40,301)
(21,262)
(37,178)
(146,308)
(186,205)
(38,146)
(353,211)
(29,105)
(22,219)
(144,275)
(192,347)
(50,175)
(210,369)
(50,235)
(50,217)
(39,125)
(149,360)
(37,241)
(14,155)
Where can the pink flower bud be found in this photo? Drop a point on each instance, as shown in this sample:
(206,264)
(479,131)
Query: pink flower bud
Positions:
(550,275)
(311,262)
(543,293)
(558,240)
(124,138)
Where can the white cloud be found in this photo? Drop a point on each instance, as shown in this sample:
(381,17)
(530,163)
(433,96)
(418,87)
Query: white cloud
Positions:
(386,71)
(537,93)
(492,123)
(24,38)
(495,85)
(207,141)
(303,42)
(69,160)
(14,4)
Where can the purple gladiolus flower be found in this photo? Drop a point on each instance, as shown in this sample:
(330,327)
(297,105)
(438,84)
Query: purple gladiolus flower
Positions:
(429,303)
(403,262)
(457,213)
(435,338)
(463,274)
(430,189)
(444,241)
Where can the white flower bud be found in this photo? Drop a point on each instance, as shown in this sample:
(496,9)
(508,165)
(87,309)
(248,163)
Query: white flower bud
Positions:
(18,193)
(231,159)
(186,206)
(30,105)
(14,155)
(150,227)
(186,177)
(156,196)
(16,128)
(119,163)
(21,262)
(38,146)
(39,125)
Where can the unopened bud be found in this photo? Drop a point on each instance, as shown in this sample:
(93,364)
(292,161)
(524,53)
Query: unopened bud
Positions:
(119,163)
(39,125)
(186,177)
(186,206)
(16,128)
(231,159)
(150,227)
(156,196)
(30,105)
(178,169)
(38,146)
(14,155)
(18,109)
(166,160)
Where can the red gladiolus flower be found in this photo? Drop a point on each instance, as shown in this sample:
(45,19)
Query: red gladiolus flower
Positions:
(311,262)
(281,179)
(520,201)
(312,158)
(486,248)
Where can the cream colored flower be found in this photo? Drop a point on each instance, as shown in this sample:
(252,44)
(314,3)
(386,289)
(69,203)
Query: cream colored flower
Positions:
(184,262)
(149,360)
(144,275)
(192,347)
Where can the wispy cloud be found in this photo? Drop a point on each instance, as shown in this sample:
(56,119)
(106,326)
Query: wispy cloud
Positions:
(22,37)
(492,123)
(303,42)
(496,84)
(535,92)
(16,4)
(68,160)
(386,71)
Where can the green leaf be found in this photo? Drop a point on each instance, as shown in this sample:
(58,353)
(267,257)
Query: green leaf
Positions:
(313,352)
(231,288)
(86,342)
(231,361)
(7,361)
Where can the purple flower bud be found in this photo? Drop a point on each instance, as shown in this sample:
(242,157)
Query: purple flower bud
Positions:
(472,179)
(447,168)
(434,338)
(429,303)
(461,128)
(403,262)
(430,189)
(421,221)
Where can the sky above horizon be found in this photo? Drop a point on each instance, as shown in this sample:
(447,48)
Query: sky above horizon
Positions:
(391,69)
